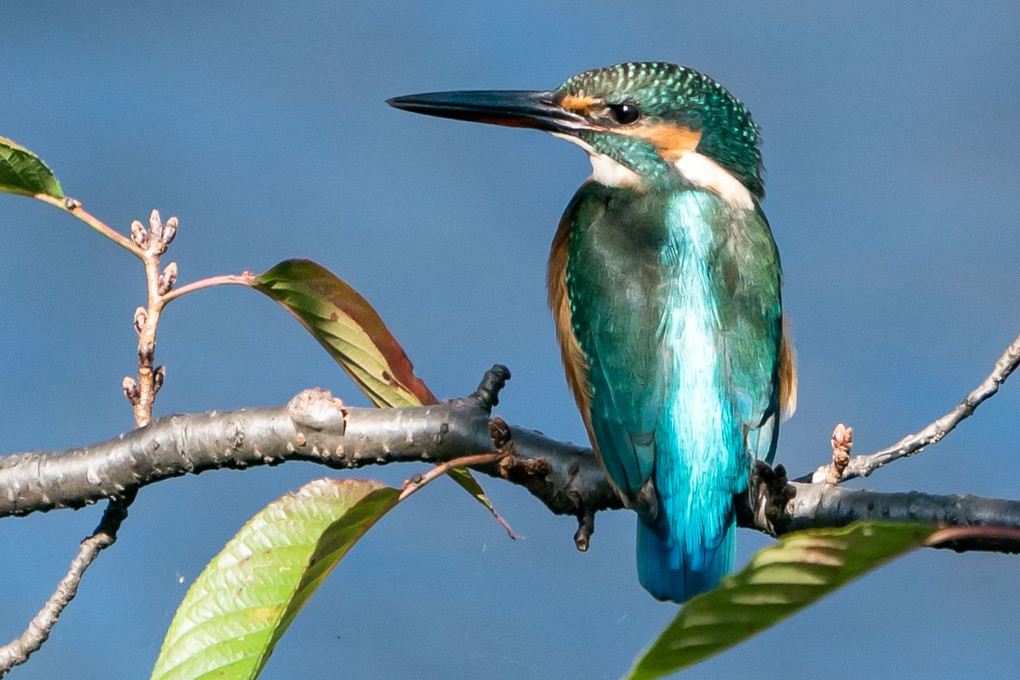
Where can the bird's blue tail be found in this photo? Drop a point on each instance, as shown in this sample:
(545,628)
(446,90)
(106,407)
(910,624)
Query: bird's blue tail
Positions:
(670,572)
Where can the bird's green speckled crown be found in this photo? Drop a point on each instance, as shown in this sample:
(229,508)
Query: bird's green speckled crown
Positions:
(685,97)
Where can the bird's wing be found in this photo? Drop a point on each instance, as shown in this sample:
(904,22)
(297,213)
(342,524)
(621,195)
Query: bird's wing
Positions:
(606,283)
(751,330)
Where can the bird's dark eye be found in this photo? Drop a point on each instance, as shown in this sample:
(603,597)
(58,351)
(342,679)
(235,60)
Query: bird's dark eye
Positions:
(625,113)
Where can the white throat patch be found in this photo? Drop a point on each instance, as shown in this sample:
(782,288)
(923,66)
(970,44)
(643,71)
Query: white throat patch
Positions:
(604,169)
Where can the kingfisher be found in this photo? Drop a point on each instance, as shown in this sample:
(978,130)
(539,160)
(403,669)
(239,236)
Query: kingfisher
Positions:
(665,286)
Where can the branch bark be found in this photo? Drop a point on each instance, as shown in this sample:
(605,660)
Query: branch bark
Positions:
(315,426)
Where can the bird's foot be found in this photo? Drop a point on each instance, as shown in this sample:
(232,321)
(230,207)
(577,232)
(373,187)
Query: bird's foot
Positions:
(769,494)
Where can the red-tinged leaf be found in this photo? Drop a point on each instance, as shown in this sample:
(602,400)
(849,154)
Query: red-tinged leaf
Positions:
(347,326)
(349,329)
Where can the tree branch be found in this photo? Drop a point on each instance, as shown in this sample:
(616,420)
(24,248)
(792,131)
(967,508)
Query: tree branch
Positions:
(17,651)
(315,426)
(862,466)
(828,505)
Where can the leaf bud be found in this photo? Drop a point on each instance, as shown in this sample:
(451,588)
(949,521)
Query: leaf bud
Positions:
(139,235)
(141,316)
(131,390)
(167,279)
(155,225)
(169,231)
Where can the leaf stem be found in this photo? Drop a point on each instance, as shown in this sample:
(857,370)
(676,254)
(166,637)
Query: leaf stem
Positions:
(243,279)
(410,487)
(73,207)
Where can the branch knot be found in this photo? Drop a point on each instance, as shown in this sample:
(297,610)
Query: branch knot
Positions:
(318,409)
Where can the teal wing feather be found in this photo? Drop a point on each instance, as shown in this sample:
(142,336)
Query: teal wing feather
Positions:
(610,273)
(675,304)
(751,332)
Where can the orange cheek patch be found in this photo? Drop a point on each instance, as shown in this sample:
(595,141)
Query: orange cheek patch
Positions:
(671,141)
(579,103)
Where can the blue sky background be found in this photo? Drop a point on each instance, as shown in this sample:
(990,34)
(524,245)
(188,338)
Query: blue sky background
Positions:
(893,164)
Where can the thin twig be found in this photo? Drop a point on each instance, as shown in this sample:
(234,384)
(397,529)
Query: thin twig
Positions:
(148,246)
(147,343)
(38,630)
(864,465)
(242,279)
(159,282)
(411,486)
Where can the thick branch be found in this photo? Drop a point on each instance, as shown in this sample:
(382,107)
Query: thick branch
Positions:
(828,505)
(315,426)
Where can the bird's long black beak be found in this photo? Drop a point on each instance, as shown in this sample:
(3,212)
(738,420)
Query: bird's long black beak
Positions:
(514,108)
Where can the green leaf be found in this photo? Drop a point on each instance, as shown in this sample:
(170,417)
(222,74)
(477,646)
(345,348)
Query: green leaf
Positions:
(22,172)
(244,600)
(779,581)
(353,333)
(349,329)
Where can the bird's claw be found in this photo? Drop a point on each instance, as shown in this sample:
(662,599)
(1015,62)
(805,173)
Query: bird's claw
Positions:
(770,495)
